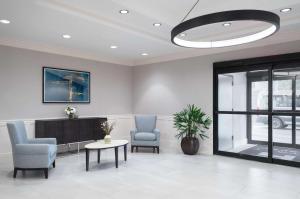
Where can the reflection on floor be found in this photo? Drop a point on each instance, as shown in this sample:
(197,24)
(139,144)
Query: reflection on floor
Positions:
(151,176)
(283,153)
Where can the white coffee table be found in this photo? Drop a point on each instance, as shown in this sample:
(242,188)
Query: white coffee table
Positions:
(101,145)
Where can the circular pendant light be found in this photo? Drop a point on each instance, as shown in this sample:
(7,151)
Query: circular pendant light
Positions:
(225,17)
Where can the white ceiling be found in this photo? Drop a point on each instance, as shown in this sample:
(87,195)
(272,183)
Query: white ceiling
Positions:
(95,25)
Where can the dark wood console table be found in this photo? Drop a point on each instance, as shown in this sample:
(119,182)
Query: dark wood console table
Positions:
(70,130)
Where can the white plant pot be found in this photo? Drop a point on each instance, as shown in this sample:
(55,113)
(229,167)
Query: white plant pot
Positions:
(107,139)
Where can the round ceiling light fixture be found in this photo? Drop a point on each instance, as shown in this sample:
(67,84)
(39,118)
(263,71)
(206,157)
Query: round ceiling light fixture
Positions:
(286,10)
(157,24)
(227,24)
(65,36)
(4,21)
(124,11)
(224,17)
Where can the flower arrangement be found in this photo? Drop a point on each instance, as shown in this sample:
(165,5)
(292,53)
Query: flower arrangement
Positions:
(70,112)
(107,128)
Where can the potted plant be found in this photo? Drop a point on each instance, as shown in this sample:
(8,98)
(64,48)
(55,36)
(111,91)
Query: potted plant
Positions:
(107,128)
(191,122)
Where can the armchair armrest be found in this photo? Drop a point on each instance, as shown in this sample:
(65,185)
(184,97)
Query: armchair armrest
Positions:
(157,133)
(32,149)
(42,141)
(132,133)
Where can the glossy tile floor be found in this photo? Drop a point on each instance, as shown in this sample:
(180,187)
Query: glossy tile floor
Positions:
(147,175)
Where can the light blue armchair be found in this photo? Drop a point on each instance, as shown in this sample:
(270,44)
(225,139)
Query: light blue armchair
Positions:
(145,134)
(30,154)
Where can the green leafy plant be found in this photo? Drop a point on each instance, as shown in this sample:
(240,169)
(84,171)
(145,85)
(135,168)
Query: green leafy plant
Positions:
(107,127)
(191,121)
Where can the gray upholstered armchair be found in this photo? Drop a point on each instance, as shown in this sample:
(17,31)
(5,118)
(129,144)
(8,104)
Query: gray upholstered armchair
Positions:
(145,134)
(30,154)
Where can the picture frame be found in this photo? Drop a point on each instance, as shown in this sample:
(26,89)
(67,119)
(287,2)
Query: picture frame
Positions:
(65,85)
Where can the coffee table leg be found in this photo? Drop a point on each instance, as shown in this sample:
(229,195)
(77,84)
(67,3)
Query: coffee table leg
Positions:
(87,160)
(99,152)
(125,152)
(116,157)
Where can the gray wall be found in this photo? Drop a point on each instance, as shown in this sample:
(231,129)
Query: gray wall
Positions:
(165,88)
(21,85)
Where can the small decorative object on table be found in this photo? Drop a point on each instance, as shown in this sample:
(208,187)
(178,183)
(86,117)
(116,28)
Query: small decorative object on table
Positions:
(71,112)
(107,128)
(191,122)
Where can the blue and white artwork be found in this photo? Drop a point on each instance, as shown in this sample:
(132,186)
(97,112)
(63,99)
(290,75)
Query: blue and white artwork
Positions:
(66,86)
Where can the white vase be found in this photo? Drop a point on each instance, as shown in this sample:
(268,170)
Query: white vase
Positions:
(107,139)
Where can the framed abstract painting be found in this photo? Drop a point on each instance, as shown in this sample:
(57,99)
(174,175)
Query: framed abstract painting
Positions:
(65,86)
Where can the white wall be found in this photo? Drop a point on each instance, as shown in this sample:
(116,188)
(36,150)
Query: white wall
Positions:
(116,91)
(21,90)
(165,88)
(21,85)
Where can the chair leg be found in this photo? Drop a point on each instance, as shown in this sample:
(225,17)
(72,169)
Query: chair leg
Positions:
(158,149)
(53,164)
(132,147)
(154,149)
(46,173)
(15,172)
(137,149)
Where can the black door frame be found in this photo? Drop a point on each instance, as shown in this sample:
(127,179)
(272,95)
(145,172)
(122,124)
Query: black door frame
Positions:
(269,63)
(257,78)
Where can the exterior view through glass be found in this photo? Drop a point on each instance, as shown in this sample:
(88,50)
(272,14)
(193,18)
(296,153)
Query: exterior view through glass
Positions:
(248,125)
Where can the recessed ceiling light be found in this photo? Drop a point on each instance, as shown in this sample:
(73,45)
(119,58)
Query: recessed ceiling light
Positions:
(124,11)
(286,10)
(4,21)
(182,34)
(113,47)
(144,54)
(226,24)
(157,24)
(66,36)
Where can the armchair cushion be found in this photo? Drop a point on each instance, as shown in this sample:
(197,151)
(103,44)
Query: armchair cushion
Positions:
(145,136)
(33,149)
(42,141)
(145,123)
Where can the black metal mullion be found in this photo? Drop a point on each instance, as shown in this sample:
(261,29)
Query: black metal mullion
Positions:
(215,112)
(243,112)
(294,109)
(270,109)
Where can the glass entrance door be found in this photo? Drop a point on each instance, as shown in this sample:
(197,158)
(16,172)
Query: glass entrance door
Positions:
(257,109)
(285,94)
(242,113)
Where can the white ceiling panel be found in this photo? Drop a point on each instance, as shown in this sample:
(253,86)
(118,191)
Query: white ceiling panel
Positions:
(95,25)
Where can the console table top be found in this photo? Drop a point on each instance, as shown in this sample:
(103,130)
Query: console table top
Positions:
(67,119)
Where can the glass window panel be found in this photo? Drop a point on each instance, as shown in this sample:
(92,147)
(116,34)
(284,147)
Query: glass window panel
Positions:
(233,135)
(297,102)
(259,95)
(282,129)
(283,135)
(298,130)
(282,89)
(259,128)
(230,85)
